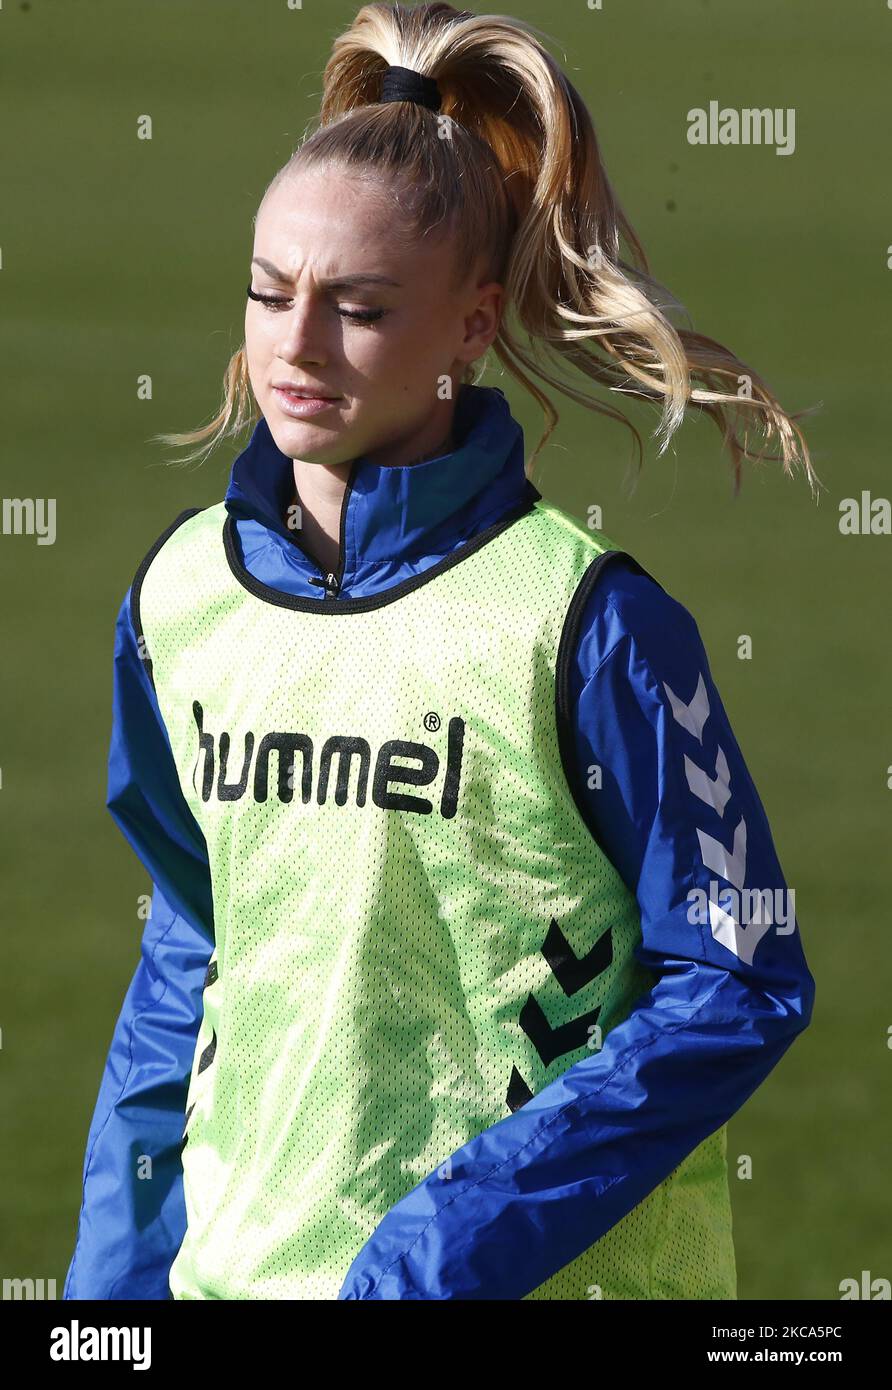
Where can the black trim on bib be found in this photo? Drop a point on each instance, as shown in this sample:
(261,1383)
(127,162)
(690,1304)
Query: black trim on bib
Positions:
(136,586)
(566,650)
(371,601)
(185,1139)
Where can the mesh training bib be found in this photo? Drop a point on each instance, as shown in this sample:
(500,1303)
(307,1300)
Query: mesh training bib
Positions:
(415,930)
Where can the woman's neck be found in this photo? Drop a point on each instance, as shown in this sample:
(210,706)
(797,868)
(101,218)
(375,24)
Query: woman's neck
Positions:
(313,513)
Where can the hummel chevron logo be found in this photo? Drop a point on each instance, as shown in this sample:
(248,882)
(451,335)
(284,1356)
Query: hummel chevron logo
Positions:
(728,864)
(518,1091)
(208,1055)
(572,972)
(693,716)
(554,1042)
(715,791)
(739,938)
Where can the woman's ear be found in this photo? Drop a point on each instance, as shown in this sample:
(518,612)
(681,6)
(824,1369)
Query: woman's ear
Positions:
(483,321)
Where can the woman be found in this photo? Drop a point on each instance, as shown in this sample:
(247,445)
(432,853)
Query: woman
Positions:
(448,990)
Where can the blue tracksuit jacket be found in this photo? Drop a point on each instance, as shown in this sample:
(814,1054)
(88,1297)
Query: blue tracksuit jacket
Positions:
(676,810)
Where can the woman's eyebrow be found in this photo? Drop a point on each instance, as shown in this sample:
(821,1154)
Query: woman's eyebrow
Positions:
(340,282)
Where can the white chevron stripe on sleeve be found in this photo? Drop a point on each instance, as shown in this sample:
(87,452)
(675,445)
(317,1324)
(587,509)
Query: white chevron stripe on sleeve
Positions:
(715,791)
(730,866)
(739,939)
(693,716)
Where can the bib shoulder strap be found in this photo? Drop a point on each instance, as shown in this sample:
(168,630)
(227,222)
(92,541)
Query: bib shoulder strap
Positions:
(567,646)
(142,571)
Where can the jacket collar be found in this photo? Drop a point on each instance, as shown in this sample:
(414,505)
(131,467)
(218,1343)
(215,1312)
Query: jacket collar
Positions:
(420,509)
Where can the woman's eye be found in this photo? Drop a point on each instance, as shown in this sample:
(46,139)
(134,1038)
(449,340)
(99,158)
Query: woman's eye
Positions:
(276,302)
(270,300)
(362,315)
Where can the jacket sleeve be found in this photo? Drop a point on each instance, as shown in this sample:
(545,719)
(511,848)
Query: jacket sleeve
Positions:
(678,814)
(132,1217)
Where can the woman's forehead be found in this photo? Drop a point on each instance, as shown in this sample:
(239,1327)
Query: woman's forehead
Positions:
(303,224)
(333,187)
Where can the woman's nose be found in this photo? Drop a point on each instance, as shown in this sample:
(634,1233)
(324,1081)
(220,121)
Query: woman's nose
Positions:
(299,333)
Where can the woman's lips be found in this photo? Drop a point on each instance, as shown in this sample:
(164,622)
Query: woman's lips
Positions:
(302,406)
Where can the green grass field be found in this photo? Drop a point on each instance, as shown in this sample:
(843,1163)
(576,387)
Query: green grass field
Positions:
(123,256)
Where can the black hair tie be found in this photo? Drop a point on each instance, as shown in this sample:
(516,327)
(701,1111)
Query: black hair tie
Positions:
(404,84)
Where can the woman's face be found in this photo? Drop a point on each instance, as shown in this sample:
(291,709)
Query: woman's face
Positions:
(378,346)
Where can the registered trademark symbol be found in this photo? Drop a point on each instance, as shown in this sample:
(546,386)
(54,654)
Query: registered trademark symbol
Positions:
(432,722)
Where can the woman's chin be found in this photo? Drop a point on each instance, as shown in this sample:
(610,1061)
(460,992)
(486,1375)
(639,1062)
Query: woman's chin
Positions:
(307,439)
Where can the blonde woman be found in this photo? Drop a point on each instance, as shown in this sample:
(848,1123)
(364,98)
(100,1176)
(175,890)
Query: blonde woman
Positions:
(450,985)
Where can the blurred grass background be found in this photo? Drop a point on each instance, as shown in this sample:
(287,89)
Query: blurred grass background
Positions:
(122,257)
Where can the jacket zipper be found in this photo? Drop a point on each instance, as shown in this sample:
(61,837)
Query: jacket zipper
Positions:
(331,580)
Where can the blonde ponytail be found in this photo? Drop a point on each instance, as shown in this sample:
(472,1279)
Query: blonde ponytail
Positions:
(511,167)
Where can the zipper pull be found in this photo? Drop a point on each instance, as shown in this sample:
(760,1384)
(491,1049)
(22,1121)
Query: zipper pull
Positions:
(330,583)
